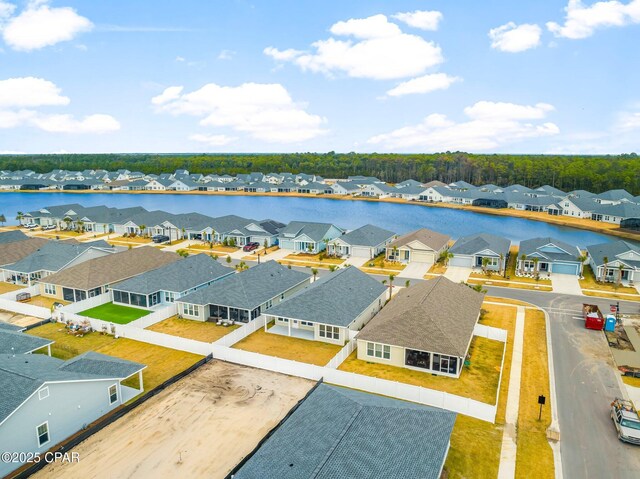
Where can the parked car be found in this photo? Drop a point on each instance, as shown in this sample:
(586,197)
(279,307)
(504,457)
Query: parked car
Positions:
(48,227)
(31,226)
(160,238)
(251,246)
(625,417)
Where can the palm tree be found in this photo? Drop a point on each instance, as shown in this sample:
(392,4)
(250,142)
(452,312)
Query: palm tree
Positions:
(266,245)
(314,272)
(67,220)
(500,269)
(485,263)
(391,278)
(2,219)
(142,229)
(522,260)
(582,258)
(395,252)
(620,270)
(535,266)
(446,255)
(310,248)
(604,269)
(19,216)
(80,225)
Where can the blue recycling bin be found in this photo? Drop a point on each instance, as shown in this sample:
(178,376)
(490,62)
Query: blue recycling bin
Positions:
(610,323)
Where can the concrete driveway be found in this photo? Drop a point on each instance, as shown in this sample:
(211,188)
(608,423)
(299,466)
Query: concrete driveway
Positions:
(457,273)
(565,284)
(415,270)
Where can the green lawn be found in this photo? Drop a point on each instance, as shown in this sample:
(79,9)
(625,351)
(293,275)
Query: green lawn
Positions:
(115,313)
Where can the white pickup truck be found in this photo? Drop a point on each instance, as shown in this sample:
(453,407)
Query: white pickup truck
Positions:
(625,417)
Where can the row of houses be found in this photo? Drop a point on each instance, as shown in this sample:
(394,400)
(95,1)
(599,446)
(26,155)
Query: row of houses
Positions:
(614,206)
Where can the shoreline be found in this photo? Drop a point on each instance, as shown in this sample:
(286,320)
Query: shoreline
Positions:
(568,222)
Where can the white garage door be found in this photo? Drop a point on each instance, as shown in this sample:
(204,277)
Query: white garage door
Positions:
(464,261)
(361,251)
(423,256)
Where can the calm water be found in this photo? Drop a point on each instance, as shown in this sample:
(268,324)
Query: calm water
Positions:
(347,214)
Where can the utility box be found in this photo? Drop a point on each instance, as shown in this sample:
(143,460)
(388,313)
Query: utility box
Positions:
(610,323)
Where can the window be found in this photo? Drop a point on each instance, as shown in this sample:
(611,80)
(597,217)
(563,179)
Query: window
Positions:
(306,323)
(113,393)
(42,431)
(190,309)
(43,393)
(138,300)
(329,332)
(49,289)
(376,350)
(169,297)
(120,296)
(268,304)
(284,320)
(445,364)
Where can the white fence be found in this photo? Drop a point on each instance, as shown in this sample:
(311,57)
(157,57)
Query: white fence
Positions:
(490,332)
(87,303)
(343,354)
(242,332)
(11,295)
(155,317)
(24,308)
(161,339)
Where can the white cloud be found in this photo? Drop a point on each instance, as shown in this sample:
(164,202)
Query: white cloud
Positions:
(263,111)
(97,123)
(422,19)
(381,51)
(581,21)
(226,55)
(424,84)
(514,38)
(628,121)
(6,10)
(213,140)
(30,92)
(11,119)
(489,126)
(40,25)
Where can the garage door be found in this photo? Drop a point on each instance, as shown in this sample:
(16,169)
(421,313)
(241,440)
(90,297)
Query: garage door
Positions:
(564,268)
(422,256)
(360,252)
(464,261)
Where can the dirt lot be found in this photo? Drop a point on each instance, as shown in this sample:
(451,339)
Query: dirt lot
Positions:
(201,426)
(18,319)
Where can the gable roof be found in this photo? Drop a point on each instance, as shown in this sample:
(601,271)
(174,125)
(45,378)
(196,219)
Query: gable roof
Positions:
(338,432)
(534,245)
(12,236)
(432,239)
(52,256)
(111,268)
(250,288)
(13,252)
(16,342)
(177,276)
(434,316)
(367,235)
(336,299)
(315,231)
(611,250)
(475,243)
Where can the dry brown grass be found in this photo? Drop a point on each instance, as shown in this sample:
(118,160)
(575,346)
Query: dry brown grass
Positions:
(187,328)
(319,258)
(589,282)
(8,287)
(45,302)
(380,262)
(510,284)
(437,268)
(302,350)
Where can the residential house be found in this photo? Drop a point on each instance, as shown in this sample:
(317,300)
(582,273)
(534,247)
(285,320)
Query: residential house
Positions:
(345,188)
(617,261)
(94,277)
(14,341)
(612,197)
(331,309)
(16,250)
(426,327)
(307,237)
(46,400)
(244,296)
(12,236)
(378,190)
(339,432)
(420,246)
(615,213)
(166,284)
(368,241)
(471,251)
(551,256)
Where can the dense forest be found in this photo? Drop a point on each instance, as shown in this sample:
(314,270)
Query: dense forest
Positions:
(593,173)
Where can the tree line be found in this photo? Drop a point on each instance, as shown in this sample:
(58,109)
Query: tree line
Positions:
(593,173)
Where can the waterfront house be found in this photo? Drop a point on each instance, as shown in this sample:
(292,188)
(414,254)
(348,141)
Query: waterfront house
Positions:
(331,309)
(615,213)
(420,246)
(244,296)
(307,237)
(168,283)
(612,197)
(470,252)
(436,194)
(427,327)
(94,277)
(368,241)
(345,188)
(45,400)
(617,261)
(577,206)
(551,256)
(339,432)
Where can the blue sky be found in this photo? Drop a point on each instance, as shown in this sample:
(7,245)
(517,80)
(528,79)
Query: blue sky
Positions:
(266,76)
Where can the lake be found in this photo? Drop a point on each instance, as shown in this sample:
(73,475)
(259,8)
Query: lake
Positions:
(399,218)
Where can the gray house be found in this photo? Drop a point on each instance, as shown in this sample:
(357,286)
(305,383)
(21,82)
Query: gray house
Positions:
(551,255)
(368,241)
(470,251)
(307,237)
(168,283)
(14,341)
(338,432)
(618,261)
(45,400)
(242,297)
(329,308)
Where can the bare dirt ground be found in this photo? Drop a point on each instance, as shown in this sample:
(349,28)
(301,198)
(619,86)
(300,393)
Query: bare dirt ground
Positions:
(202,426)
(17,319)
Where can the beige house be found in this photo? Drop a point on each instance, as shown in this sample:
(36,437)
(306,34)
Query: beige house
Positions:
(427,327)
(420,246)
(93,277)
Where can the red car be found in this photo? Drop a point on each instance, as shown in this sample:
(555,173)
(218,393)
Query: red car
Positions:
(251,246)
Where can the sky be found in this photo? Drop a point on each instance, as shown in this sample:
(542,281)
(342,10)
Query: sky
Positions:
(559,76)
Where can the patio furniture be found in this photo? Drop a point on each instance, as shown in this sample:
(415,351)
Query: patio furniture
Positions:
(23,297)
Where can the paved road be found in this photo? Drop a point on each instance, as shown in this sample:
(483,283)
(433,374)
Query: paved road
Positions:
(585,385)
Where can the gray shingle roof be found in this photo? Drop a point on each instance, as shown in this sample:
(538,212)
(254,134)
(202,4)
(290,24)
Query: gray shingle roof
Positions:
(12,236)
(475,243)
(179,276)
(248,289)
(315,231)
(435,316)
(611,250)
(11,327)
(367,235)
(52,256)
(16,342)
(534,245)
(337,299)
(341,433)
